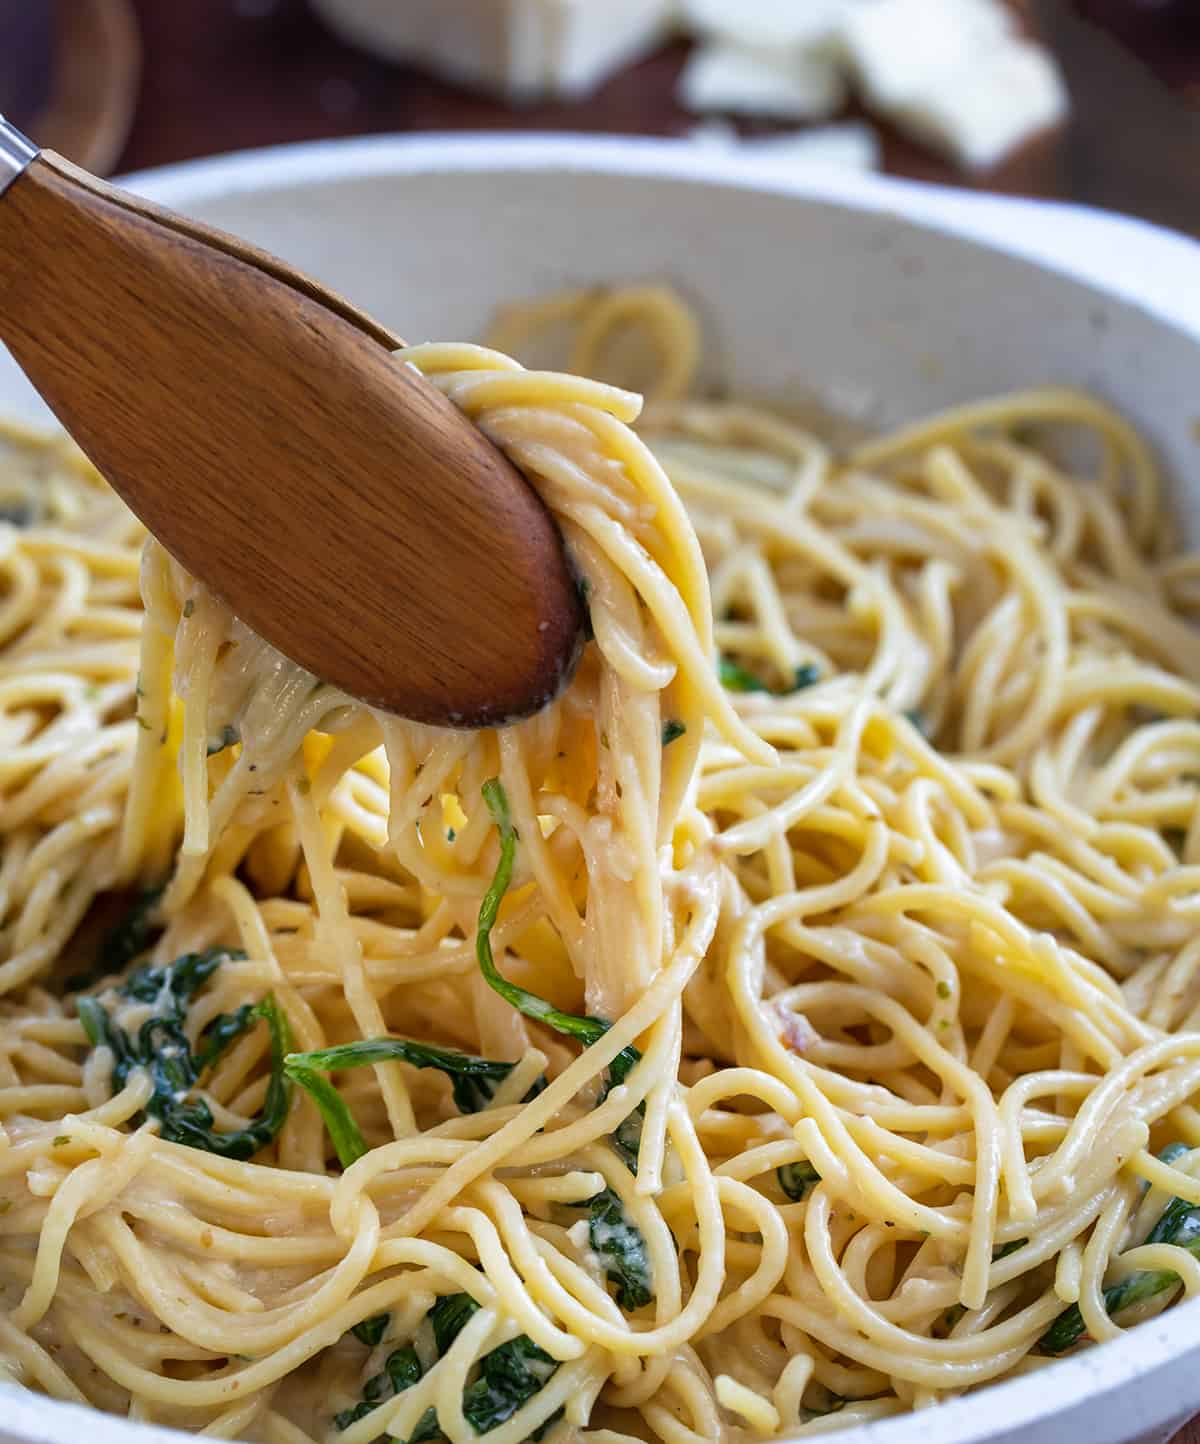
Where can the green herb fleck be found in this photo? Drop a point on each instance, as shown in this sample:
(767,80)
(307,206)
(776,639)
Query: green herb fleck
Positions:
(738,679)
(627,1138)
(371,1331)
(427,1429)
(449,1316)
(61,1140)
(227,736)
(401,1371)
(509,1376)
(1179,1224)
(162,1048)
(618,1242)
(672,731)
(1003,1250)
(735,678)
(189,607)
(943,988)
(587,1030)
(347,1139)
(797,1179)
(831,1404)
(473,1080)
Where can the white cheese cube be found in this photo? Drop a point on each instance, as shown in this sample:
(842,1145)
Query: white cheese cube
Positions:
(586,41)
(896,48)
(519,49)
(746,81)
(795,24)
(853,145)
(485,46)
(981,112)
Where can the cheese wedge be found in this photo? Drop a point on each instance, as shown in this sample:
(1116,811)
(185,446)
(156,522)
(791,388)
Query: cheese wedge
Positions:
(788,24)
(897,49)
(518,49)
(743,80)
(981,112)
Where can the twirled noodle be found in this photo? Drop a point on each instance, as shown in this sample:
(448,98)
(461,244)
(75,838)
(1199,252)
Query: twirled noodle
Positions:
(897,907)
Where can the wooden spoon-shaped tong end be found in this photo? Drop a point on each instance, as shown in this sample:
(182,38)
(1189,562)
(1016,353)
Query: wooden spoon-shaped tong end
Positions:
(261,429)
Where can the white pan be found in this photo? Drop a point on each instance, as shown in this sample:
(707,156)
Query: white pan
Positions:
(878,298)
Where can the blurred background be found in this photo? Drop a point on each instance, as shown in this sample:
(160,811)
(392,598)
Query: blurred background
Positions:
(1090,100)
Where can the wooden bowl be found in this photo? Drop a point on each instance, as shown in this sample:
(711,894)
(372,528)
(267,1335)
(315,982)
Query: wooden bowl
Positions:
(72,68)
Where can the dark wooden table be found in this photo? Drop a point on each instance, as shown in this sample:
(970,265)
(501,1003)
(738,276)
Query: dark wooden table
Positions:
(225,74)
(222,75)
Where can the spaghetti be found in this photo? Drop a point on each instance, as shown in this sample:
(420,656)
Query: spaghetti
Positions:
(796,1019)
